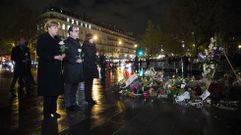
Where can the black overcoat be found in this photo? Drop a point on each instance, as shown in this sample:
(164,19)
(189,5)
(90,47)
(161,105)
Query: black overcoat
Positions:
(50,78)
(19,54)
(89,64)
(73,71)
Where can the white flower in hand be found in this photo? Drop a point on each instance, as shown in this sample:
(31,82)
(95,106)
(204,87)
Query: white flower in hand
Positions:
(62,47)
(61,43)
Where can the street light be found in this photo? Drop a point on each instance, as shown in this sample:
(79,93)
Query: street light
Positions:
(183,44)
(95,37)
(140,52)
(194,43)
(135,45)
(239,46)
(119,42)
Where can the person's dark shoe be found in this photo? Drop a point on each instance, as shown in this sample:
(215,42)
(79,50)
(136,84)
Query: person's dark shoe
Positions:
(93,102)
(34,83)
(56,115)
(13,94)
(52,115)
(85,103)
(76,107)
(71,109)
(30,95)
(21,95)
(48,116)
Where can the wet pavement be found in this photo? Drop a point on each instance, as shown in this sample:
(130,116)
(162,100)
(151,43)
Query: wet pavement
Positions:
(113,115)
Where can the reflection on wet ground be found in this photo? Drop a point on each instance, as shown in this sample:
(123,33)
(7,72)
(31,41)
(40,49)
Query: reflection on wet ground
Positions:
(112,115)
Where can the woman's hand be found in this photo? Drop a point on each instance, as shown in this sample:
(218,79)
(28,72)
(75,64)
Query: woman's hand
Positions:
(79,60)
(63,55)
(59,57)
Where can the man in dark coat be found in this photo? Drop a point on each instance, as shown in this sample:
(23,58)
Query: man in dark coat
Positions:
(73,70)
(102,63)
(136,64)
(21,56)
(90,66)
(50,80)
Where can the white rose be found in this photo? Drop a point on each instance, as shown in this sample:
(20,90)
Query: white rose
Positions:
(61,43)
(183,86)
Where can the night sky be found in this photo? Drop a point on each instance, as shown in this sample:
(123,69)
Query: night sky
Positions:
(131,15)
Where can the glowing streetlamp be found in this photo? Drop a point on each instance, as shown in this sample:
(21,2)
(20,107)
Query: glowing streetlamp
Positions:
(120,42)
(13,45)
(239,46)
(135,45)
(95,37)
(140,52)
(183,44)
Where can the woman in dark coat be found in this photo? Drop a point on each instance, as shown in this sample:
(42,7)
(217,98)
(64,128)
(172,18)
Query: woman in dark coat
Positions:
(50,80)
(90,66)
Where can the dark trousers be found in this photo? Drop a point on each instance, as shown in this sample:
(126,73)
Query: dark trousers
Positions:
(70,94)
(26,81)
(50,105)
(23,81)
(16,77)
(102,72)
(88,90)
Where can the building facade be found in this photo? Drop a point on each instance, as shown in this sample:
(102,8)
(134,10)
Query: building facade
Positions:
(113,42)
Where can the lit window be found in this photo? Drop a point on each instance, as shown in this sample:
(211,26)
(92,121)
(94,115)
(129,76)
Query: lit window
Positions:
(67,19)
(72,21)
(81,24)
(59,25)
(68,26)
(89,26)
(86,25)
(63,26)
(77,22)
